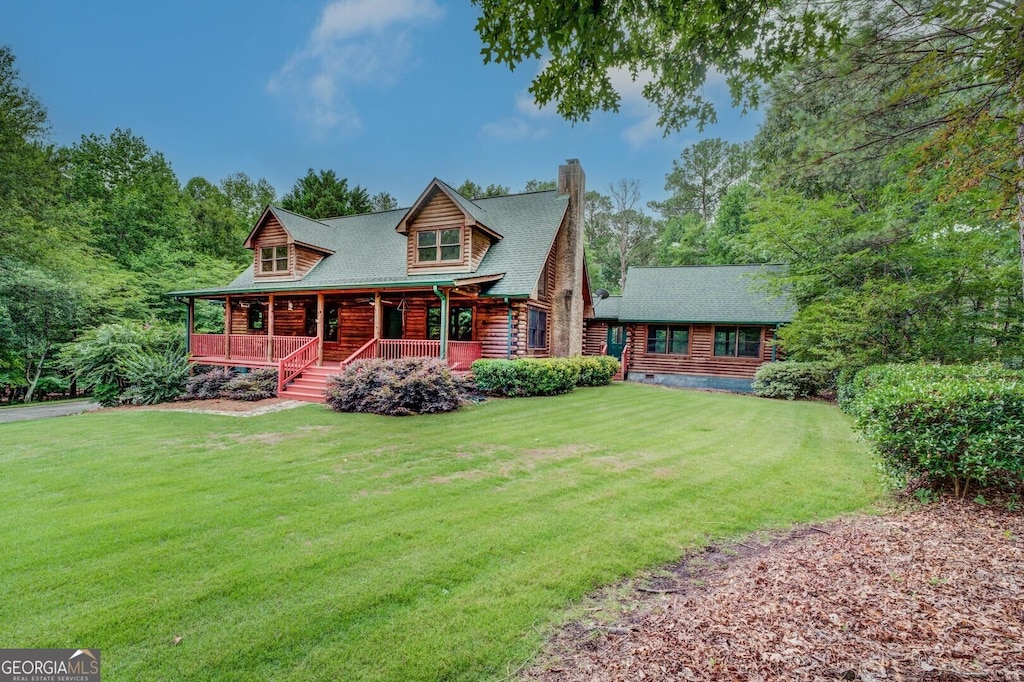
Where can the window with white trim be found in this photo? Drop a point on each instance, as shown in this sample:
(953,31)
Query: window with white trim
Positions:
(439,246)
(273,259)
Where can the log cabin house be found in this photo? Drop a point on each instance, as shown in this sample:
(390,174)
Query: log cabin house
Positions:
(448,277)
(707,326)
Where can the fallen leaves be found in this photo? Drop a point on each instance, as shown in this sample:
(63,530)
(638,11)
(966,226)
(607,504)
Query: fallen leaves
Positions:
(936,593)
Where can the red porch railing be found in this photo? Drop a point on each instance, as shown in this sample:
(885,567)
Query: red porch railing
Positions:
(366,352)
(293,364)
(249,347)
(245,349)
(461,354)
(207,345)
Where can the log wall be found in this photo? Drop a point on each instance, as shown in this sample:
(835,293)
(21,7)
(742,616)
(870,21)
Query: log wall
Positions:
(595,335)
(272,234)
(304,260)
(439,213)
(700,360)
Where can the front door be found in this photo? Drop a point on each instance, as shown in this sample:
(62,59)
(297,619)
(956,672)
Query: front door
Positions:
(616,340)
(392,323)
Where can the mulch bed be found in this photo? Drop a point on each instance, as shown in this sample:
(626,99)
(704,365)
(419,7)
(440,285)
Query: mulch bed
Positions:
(931,593)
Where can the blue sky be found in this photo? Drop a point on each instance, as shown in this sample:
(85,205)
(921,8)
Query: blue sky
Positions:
(388,93)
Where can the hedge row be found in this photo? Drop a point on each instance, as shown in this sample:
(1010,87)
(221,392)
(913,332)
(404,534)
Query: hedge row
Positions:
(543,376)
(950,427)
(853,384)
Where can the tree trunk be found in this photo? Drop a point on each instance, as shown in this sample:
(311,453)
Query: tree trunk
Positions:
(35,379)
(1018,93)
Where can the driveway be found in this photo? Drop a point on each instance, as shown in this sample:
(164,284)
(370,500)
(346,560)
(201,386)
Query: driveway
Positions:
(44,410)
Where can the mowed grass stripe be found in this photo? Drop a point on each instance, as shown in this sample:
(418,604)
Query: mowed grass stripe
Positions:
(312,545)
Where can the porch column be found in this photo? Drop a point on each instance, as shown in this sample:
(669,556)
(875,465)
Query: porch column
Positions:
(320,310)
(378,317)
(227,327)
(270,327)
(190,323)
(443,295)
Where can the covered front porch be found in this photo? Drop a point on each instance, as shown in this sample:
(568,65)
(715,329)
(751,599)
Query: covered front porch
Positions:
(293,331)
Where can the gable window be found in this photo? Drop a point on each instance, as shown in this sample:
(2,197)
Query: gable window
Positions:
(273,259)
(460,323)
(738,342)
(668,339)
(537,329)
(433,246)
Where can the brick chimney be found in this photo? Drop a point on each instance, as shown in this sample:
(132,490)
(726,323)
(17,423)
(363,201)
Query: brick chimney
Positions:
(567,304)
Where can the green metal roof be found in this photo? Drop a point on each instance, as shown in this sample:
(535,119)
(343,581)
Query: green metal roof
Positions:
(370,253)
(702,293)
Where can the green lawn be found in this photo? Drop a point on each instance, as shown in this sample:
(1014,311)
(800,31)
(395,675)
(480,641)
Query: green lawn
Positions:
(307,544)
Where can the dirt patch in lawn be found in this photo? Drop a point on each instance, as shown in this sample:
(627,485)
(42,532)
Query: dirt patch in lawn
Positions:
(930,593)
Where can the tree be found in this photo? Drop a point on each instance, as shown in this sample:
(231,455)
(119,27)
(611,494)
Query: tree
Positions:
(324,195)
(675,46)
(682,241)
(132,189)
(247,197)
(216,228)
(725,235)
(383,201)
(540,185)
(702,176)
(902,283)
(26,174)
(471,190)
(962,57)
(37,313)
(630,233)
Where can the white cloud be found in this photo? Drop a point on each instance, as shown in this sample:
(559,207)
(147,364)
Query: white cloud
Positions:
(512,129)
(356,42)
(634,107)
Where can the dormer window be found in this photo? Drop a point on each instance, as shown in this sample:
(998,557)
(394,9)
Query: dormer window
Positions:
(433,246)
(273,259)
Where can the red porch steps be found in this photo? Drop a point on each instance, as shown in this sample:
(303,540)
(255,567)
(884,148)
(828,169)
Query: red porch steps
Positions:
(309,386)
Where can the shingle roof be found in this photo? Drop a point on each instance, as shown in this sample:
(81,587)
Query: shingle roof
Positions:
(303,229)
(703,293)
(470,206)
(369,252)
(608,308)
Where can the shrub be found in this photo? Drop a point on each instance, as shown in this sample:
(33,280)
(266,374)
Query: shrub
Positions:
(596,370)
(394,387)
(155,377)
(98,359)
(527,376)
(258,384)
(852,389)
(209,384)
(949,432)
(792,380)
